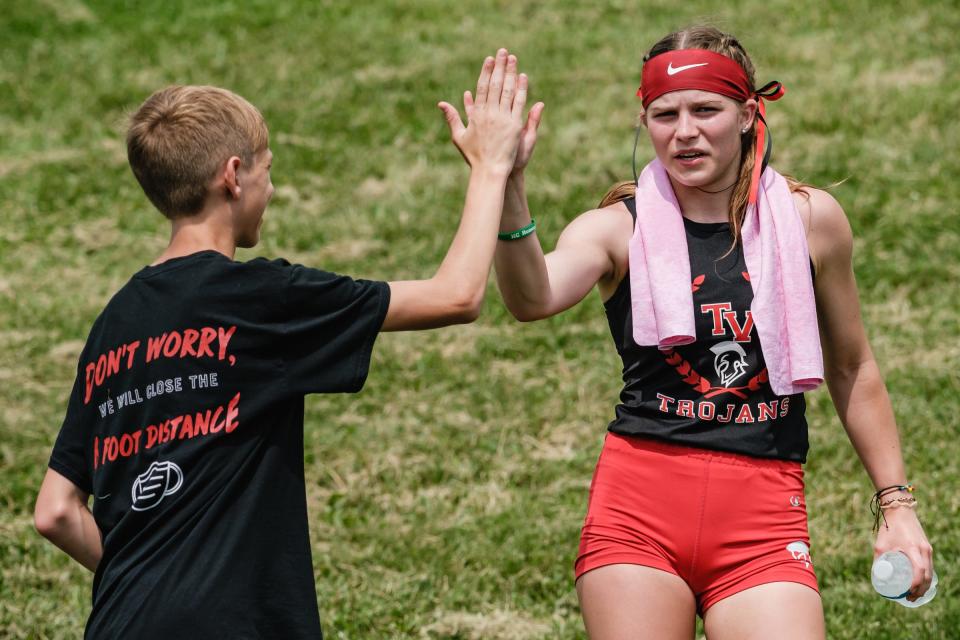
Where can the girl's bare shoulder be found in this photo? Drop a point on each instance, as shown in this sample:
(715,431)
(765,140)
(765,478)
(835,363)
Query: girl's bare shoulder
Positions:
(829,236)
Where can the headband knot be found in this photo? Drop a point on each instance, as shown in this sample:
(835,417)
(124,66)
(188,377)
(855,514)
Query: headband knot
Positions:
(772,91)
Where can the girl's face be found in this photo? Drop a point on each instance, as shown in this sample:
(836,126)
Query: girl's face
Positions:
(696,135)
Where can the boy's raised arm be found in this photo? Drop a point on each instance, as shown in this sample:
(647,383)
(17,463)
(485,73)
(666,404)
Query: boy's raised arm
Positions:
(489,144)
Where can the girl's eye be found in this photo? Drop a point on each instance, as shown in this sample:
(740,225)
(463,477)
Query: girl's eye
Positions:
(706,109)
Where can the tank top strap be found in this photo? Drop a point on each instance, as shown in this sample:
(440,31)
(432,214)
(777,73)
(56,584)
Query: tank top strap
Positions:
(631,204)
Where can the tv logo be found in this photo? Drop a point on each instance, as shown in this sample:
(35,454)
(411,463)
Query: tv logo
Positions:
(160,480)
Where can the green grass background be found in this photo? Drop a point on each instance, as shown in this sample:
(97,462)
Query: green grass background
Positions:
(446,498)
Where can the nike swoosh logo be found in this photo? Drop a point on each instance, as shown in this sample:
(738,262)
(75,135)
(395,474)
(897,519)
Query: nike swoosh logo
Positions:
(671,71)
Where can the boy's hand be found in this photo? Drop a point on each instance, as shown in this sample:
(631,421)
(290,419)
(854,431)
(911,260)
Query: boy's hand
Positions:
(494,120)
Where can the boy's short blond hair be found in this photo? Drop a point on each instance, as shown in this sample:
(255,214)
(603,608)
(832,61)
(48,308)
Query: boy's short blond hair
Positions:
(180,137)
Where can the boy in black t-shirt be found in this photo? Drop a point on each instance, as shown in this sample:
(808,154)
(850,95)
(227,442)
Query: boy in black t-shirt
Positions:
(185,423)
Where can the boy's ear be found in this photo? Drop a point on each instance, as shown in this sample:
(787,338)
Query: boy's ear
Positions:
(231,177)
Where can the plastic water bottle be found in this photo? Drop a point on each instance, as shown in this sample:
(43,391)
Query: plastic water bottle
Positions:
(892,574)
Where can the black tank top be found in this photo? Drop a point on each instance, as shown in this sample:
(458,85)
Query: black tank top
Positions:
(713,393)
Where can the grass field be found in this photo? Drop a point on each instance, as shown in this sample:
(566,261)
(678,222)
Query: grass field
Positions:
(446,498)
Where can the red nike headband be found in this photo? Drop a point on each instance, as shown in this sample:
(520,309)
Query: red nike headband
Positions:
(708,71)
(692,69)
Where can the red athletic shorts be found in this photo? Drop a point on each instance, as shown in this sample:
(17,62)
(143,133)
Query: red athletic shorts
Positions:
(723,522)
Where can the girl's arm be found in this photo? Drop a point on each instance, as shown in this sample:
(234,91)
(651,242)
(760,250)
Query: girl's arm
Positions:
(488,144)
(854,380)
(534,285)
(591,249)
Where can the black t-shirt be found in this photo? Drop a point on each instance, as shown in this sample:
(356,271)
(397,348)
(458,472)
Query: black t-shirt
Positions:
(186,425)
(712,393)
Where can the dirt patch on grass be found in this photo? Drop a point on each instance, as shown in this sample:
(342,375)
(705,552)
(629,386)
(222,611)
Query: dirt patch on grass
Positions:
(499,624)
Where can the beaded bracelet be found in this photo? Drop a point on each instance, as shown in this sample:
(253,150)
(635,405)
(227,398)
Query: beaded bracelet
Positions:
(522,232)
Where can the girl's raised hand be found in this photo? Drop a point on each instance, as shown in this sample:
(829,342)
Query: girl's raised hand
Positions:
(491,137)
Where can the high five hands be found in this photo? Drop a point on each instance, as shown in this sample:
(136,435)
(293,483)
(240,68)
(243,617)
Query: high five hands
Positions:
(496,136)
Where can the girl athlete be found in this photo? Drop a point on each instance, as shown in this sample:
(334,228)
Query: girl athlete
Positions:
(720,280)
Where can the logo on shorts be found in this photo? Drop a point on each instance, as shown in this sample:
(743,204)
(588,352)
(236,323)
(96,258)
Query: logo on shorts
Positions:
(160,480)
(801,553)
(794,501)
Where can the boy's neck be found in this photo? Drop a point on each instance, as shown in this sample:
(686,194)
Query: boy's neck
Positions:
(208,230)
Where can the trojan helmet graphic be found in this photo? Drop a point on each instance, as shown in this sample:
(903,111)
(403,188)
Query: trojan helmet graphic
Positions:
(730,361)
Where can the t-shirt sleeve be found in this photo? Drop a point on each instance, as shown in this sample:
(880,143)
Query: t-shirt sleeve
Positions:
(331,323)
(69,457)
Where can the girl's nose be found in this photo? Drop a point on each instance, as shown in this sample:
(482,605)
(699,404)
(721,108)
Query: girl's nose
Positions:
(686,126)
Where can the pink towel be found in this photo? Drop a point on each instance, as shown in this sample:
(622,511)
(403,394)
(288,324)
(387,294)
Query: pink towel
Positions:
(778,263)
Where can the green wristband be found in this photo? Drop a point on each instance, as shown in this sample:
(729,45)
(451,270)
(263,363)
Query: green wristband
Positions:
(522,232)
